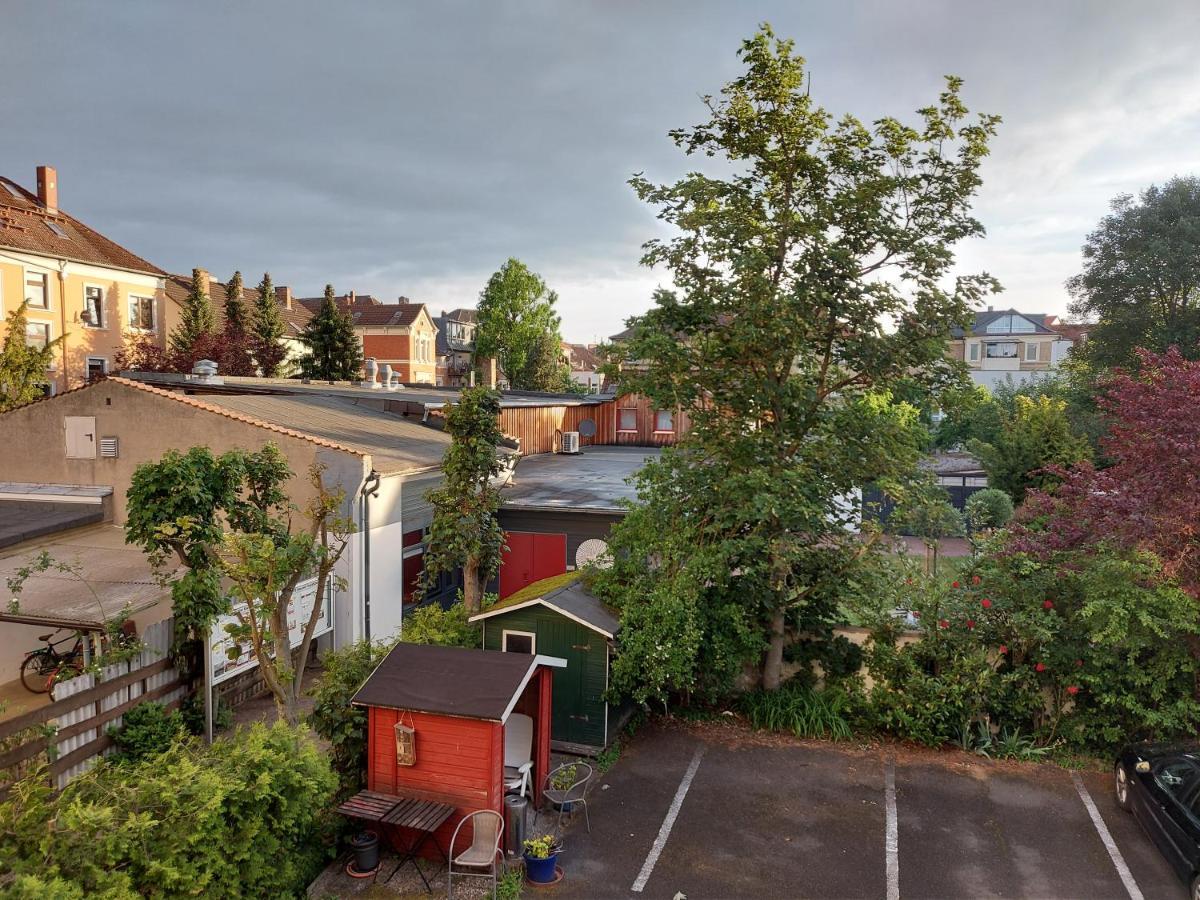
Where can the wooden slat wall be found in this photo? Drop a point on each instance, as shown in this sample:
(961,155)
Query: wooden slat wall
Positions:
(459,761)
(535,426)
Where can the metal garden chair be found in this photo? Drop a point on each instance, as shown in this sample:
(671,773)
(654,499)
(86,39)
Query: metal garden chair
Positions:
(566,800)
(488,826)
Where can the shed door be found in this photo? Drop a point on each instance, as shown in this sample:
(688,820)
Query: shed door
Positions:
(566,640)
(531,557)
(81,436)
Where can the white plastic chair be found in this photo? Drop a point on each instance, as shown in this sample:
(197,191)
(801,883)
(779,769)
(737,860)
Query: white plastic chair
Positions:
(484,850)
(518,753)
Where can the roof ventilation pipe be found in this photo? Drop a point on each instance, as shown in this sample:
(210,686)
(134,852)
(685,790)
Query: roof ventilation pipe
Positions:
(204,371)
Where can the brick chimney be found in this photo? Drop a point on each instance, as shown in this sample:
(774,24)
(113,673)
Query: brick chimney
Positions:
(205,280)
(283,296)
(47,187)
(401,299)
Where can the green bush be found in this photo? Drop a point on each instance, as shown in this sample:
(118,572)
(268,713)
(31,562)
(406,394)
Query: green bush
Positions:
(988,508)
(146,730)
(334,719)
(800,710)
(242,818)
(431,624)
(192,713)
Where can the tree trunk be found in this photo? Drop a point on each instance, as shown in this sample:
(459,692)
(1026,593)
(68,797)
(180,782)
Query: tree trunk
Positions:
(472,591)
(773,665)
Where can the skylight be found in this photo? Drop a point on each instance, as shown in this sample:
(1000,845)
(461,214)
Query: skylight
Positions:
(12,189)
(56,228)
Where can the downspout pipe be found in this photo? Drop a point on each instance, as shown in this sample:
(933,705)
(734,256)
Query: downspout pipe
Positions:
(370,489)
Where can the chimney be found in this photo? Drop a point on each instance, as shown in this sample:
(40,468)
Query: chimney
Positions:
(350,297)
(47,187)
(401,299)
(283,296)
(205,280)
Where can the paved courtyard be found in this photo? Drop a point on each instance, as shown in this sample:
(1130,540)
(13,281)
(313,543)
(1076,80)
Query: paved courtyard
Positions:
(714,812)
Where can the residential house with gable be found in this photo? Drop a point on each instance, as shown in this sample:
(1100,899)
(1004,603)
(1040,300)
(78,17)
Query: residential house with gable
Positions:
(1007,345)
(78,282)
(584,365)
(455,346)
(402,335)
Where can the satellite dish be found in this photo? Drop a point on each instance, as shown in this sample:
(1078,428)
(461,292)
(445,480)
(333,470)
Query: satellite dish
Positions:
(587,428)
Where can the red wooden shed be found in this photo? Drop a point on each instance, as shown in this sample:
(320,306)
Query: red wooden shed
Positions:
(445,709)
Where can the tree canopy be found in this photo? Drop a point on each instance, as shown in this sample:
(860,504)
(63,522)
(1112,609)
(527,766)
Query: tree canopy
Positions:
(335,352)
(196,319)
(1140,280)
(267,330)
(465,532)
(786,264)
(518,326)
(22,365)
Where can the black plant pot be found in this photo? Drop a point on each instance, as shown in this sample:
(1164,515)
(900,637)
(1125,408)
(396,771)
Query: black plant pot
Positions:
(366,851)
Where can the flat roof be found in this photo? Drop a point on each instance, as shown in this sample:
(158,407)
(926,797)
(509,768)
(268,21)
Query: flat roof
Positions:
(118,573)
(452,681)
(418,393)
(593,480)
(24,520)
(396,444)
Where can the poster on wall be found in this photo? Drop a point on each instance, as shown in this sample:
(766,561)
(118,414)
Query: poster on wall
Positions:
(303,598)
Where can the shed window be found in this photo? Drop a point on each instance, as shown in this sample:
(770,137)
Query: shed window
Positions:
(627,419)
(518,642)
(664,420)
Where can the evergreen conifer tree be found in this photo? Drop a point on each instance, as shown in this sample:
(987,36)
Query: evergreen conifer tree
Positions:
(268,329)
(335,353)
(197,319)
(236,351)
(22,367)
(237,317)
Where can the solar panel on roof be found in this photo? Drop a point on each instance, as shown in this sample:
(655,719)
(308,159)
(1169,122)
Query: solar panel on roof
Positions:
(56,228)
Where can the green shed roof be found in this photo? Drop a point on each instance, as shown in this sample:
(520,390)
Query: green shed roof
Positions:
(565,595)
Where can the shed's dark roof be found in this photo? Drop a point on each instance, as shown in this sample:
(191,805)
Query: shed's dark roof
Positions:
(571,599)
(452,681)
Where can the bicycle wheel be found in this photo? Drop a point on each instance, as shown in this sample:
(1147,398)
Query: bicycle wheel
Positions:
(36,671)
(64,672)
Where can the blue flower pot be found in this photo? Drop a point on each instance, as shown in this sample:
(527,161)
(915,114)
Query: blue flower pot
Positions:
(540,871)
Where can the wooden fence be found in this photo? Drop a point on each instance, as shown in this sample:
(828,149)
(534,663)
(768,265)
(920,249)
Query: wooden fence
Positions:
(72,731)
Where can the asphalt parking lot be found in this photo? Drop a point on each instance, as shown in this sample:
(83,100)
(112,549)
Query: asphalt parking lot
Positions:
(714,812)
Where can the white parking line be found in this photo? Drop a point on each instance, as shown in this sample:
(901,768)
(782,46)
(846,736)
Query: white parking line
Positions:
(892,842)
(669,822)
(1109,844)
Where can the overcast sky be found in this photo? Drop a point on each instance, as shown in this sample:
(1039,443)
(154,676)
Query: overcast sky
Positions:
(403,148)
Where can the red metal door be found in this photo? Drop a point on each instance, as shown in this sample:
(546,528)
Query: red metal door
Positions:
(529,558)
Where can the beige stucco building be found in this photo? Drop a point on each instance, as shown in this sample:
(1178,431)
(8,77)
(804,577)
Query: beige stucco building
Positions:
(78,283)
(1009,345)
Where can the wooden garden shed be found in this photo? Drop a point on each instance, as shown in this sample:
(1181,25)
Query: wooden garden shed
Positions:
(559,617)
(435,724)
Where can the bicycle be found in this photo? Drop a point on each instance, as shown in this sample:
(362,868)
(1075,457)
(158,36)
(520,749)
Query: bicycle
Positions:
(45,666)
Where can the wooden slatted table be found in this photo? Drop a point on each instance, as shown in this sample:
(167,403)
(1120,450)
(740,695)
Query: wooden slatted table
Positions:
(370,806)
(424,817)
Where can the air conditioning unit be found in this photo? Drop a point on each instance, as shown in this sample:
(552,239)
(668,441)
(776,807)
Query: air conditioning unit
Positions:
(570,442)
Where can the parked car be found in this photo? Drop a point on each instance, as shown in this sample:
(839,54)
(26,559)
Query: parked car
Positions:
(1160,785)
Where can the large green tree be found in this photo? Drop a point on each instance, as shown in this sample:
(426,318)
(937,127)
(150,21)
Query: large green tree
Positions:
(196,321)
(237,354)
(465,532)
(1141,277)
(22,365)
(219,529)
(267,330)
(811,271)
(518,326)
(1033,437)
(334,350)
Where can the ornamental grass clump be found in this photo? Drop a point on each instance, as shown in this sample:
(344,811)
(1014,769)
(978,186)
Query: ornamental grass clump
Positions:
(800,710)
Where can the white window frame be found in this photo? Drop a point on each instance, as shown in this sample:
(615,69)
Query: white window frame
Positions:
(623,409)
(990,344)
(657,429)
(26,271)
(153,314)
(973,351)
(1035,348)
(529,634)
(103,296)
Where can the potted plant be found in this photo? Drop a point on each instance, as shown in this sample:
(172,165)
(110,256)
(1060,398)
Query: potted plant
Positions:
(541,859)
(366,851)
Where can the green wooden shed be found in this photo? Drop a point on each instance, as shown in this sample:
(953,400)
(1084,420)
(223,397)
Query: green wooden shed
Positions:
(559,617)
